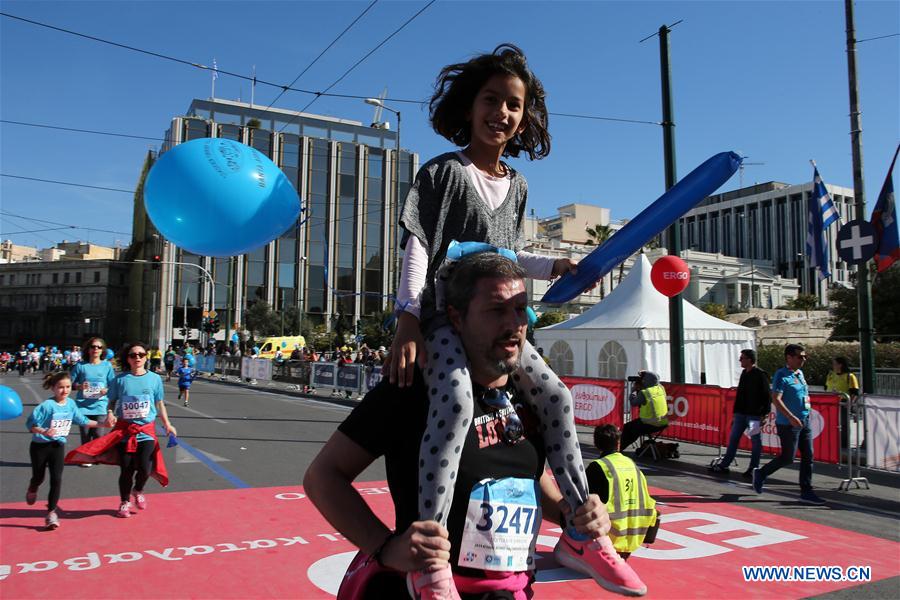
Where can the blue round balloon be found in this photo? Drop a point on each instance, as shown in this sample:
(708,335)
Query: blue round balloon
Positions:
(191,360)
(41,349)
(31,346)
(66,353)
(55,349)
(218,197)
(109,354)
(10,403)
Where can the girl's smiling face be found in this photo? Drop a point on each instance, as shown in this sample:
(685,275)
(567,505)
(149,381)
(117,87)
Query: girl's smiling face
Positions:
(62,389)
(498,111)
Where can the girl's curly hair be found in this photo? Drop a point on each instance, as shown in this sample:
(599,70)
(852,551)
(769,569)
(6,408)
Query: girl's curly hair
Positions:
(458,84)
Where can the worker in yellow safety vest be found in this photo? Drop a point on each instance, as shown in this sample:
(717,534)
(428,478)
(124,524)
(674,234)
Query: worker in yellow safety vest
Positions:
(620,484)
(650,396)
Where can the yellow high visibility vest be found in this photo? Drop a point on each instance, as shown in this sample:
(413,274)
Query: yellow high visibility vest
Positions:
(655,409)
(632,511)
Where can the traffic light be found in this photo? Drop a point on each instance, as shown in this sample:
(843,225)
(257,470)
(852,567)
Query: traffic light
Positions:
(214,325)
(157,260)
(184,332)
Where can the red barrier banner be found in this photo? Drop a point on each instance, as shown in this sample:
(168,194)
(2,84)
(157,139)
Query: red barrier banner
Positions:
(824,421)
(597,401)
(696,413)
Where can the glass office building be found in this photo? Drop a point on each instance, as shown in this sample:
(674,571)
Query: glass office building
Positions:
(340,257)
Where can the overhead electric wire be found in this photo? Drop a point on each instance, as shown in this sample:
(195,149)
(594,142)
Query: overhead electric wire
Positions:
(125,135)
(368,54)
(290,87)
(9,214)
(43,237)
(34,230)
(95,187)
(322,53)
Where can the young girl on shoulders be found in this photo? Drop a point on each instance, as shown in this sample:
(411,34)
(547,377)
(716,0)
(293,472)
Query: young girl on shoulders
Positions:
(492,107)
(50,422)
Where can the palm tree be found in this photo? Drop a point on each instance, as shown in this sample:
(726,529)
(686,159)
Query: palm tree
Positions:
(597,235)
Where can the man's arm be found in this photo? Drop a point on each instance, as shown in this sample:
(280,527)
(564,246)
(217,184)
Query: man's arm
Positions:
(329,484)
(783,409)
(591,517)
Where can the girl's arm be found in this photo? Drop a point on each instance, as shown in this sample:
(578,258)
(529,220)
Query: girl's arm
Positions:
(161,408)
(408,346)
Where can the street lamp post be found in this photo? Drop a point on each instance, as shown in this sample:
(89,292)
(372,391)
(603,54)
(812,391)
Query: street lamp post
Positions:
(378,102)
(212,283)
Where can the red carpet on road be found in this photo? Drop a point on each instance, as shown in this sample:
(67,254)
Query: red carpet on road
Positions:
(272,543)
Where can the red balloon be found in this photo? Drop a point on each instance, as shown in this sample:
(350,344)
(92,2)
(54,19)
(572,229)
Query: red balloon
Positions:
(670,275)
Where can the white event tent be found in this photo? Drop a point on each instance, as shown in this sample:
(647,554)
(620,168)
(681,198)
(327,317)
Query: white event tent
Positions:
(628,331)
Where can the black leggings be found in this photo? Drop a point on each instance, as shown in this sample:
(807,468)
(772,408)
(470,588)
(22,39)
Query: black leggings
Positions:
(43,455)
(135,462)
(89,434)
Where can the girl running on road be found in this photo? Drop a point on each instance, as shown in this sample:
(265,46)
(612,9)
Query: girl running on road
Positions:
(50,422)
(186,374)
(491,106)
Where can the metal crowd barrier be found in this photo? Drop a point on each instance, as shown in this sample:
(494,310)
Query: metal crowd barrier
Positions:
(850,423)
(338,377)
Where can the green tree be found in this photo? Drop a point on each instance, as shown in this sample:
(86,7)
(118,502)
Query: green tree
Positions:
(254,124)
(885,316)
(805,302)
(551,317)
(261,321)
(373,331)
(598,234)
(716,310)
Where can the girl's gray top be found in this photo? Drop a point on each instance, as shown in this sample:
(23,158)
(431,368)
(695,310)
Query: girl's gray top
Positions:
(443,205)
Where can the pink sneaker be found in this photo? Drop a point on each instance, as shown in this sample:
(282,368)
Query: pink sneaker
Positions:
(139,500)
(434,585)
(599,560)
(124,510)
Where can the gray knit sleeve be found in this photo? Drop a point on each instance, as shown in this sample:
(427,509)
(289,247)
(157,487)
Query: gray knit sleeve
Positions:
(420,209)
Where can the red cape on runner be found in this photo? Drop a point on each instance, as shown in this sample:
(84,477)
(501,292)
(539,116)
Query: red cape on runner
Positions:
(106,450)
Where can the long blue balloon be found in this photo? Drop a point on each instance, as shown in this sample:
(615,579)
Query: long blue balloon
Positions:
(668,208)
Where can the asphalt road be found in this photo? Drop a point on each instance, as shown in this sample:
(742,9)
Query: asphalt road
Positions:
(234,436)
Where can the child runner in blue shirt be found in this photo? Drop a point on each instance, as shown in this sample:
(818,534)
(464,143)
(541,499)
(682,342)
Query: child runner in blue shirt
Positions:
(186,375)
(491,106)
(50,422)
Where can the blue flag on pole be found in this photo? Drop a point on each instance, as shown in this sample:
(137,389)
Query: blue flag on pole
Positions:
(822,213)
(884,219)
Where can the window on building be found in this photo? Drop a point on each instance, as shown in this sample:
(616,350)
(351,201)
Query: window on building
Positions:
(612,361)
(96,276)
(562,359)
(1,279)
(78,277)
(56,278)
(65,277)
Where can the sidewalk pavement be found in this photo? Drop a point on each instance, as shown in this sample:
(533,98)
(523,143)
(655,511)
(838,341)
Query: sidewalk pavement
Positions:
(883,493)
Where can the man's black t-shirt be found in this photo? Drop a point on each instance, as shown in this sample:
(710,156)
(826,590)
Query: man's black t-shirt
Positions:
(390,422)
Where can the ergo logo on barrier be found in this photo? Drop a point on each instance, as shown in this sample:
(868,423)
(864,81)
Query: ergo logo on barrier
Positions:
(592,402)
(677,406)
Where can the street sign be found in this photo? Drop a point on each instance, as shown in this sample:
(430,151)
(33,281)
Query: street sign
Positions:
(856,242)
(213,314)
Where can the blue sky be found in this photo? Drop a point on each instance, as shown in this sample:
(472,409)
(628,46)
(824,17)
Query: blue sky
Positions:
(766,79)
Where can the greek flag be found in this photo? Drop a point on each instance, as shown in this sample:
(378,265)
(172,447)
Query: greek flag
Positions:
(884,219)
(822,213)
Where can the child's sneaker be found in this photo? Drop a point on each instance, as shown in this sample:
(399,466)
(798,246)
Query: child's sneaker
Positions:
(599,560)
(31,496)
(139,500)
(124,510)
(52,520)
(433,585)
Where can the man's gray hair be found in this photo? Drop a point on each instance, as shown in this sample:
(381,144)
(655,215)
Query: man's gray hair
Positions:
(471,269)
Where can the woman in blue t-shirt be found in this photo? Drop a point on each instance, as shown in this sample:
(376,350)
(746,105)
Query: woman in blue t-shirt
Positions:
(50,422)
(91,378)
(136,396)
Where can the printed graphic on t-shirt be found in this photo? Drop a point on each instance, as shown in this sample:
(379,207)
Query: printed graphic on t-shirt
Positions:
(136,407)
(501,525)
(61,422)
(489,427)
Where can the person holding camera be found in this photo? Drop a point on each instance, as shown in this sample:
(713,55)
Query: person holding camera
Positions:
(650,396)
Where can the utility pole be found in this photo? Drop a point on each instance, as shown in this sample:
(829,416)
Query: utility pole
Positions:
(863,286)
(676,311)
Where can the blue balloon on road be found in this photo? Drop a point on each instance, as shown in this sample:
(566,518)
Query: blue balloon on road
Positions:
(668,208)
(41,349)
(31,346)
(10,403)
(218,197)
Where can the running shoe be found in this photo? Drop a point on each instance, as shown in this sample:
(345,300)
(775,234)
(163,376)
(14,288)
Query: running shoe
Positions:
(599,560)
(52,520)
(139,500)
(124,510)
(186,403)
(434,585)
(758,481)
(810,497)
(716,467)
(31,496)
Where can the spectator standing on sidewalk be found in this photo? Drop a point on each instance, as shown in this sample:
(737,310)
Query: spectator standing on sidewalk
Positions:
(790,394)
(751,407)
(842,381)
